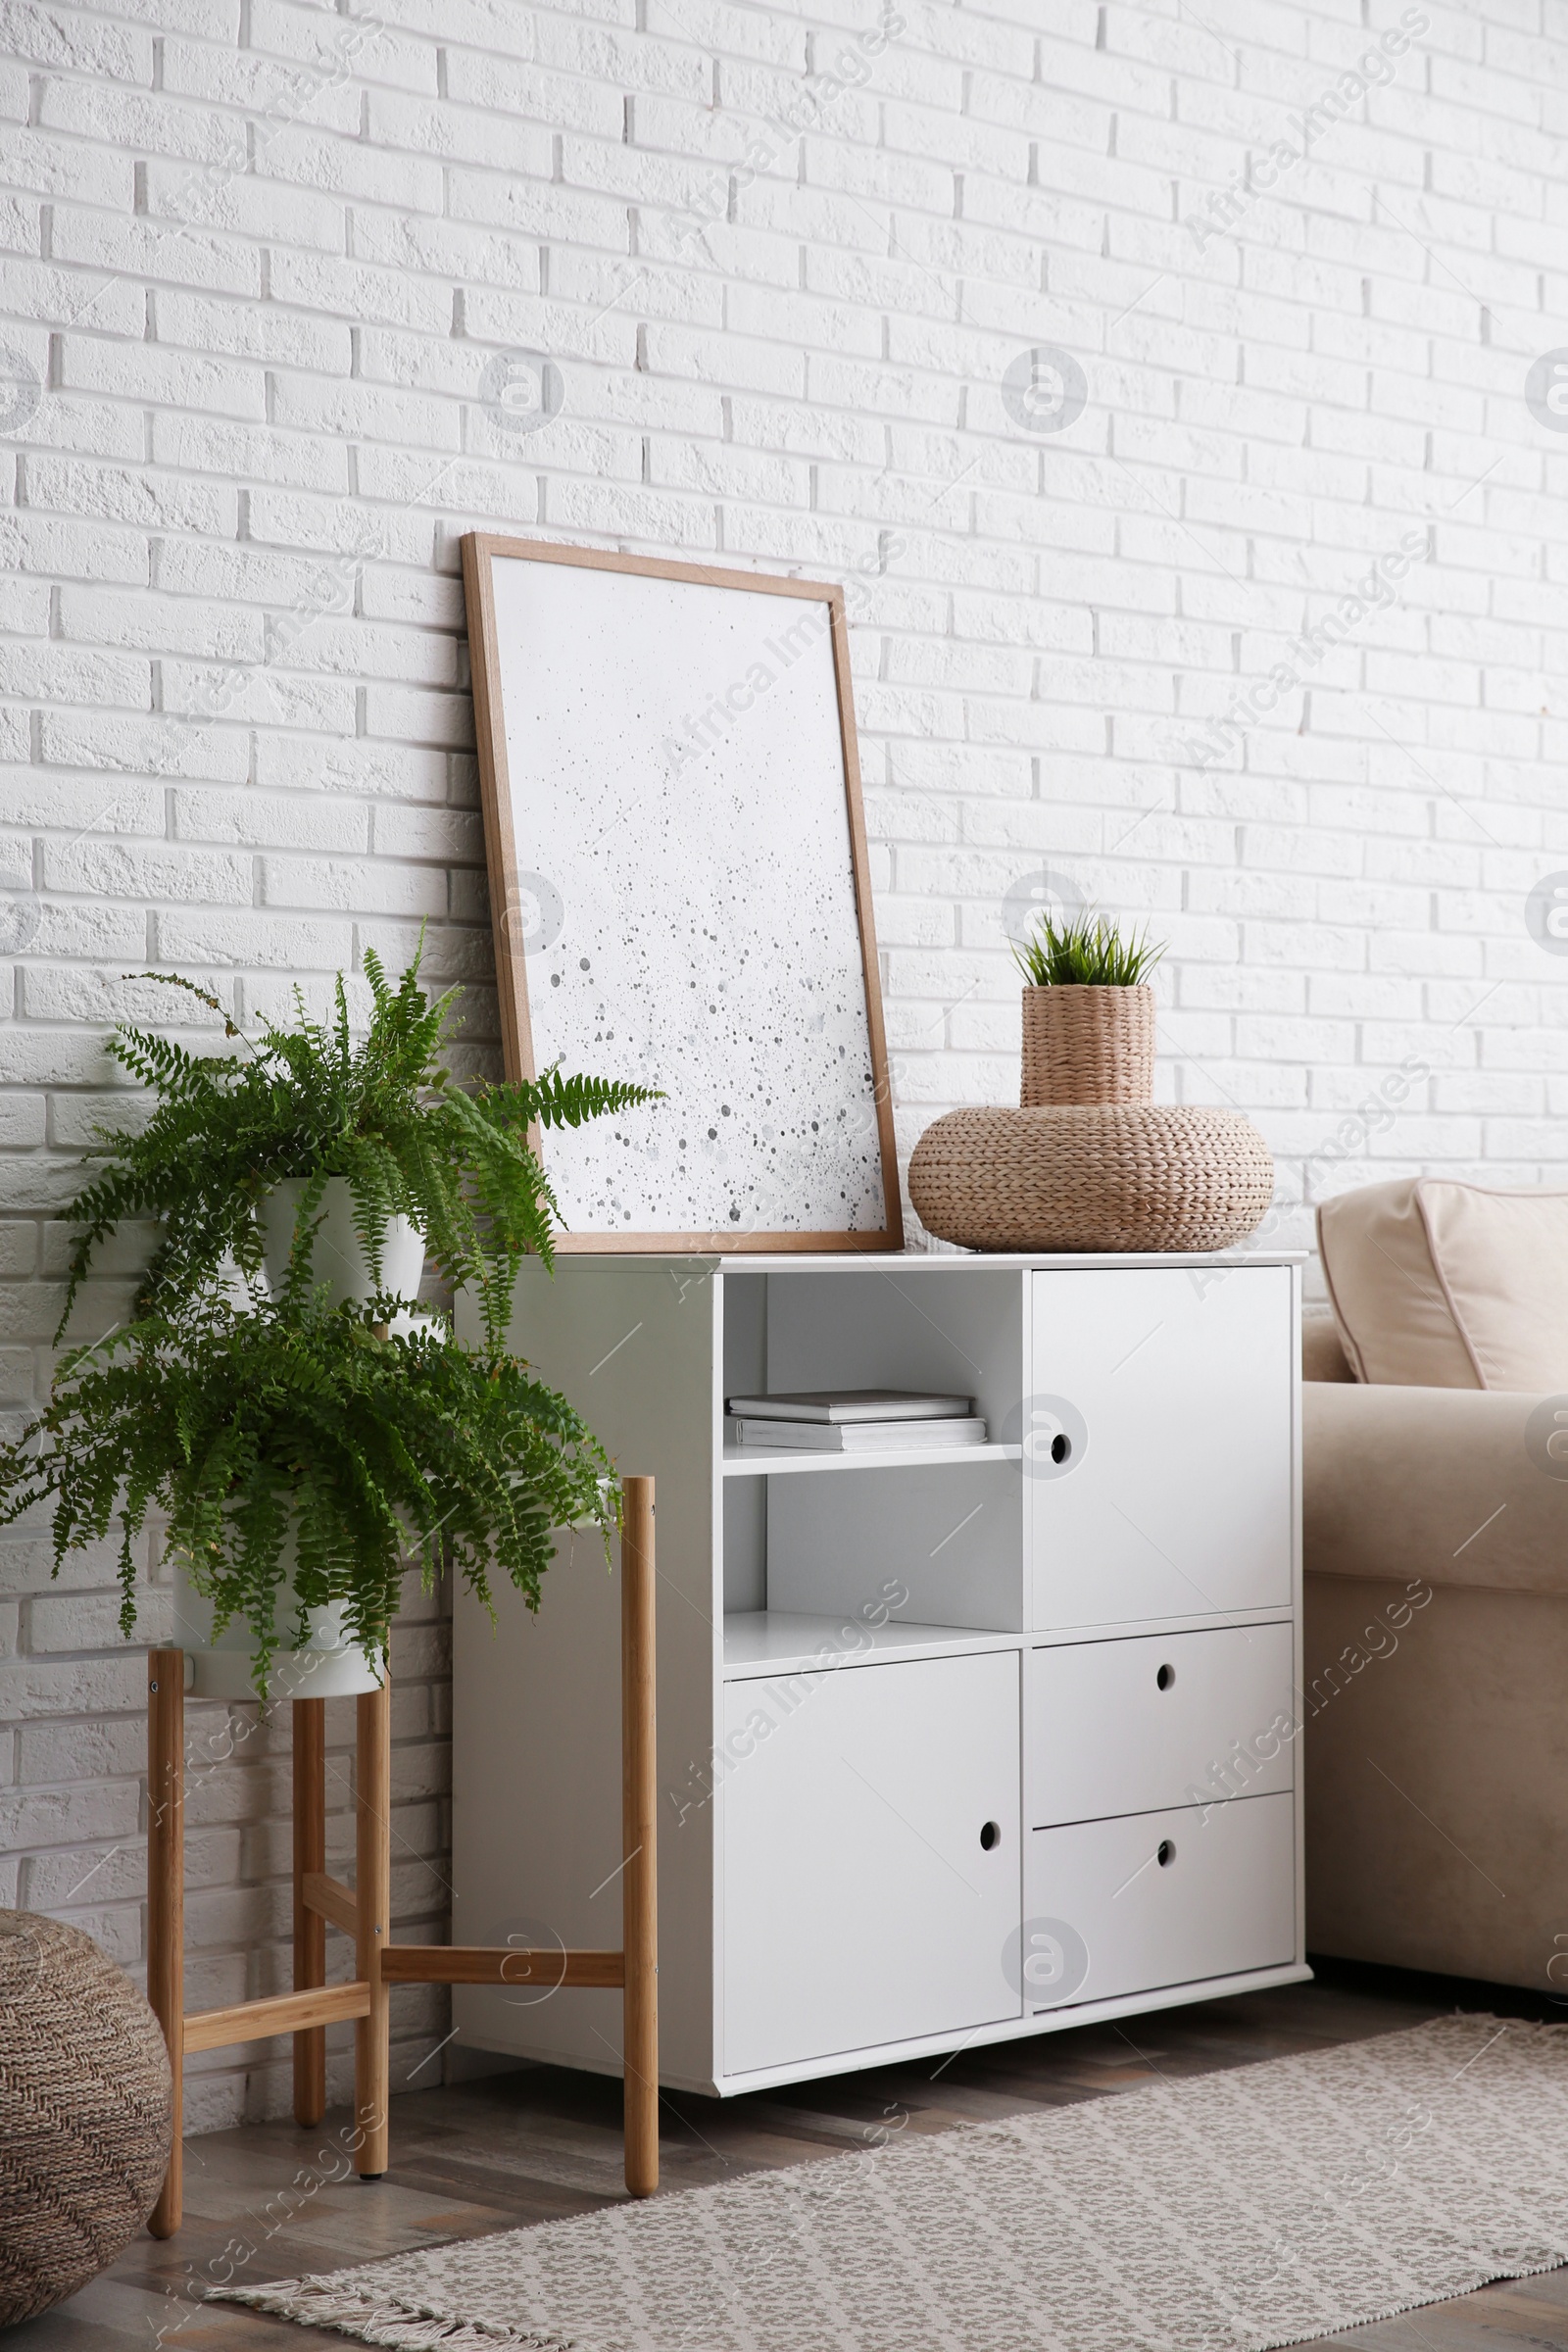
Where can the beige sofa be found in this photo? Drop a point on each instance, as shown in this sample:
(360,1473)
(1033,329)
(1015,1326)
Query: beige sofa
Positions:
(1436,1698)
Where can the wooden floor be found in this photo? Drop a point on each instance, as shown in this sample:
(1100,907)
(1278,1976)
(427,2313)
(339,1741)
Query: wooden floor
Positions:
(539,2144)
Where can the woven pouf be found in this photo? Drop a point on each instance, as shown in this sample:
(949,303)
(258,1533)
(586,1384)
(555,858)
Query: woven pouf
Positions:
(85,2112)
(1092,1176)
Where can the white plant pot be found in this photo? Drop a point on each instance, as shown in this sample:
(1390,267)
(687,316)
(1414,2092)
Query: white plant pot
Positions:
(338,1256)
(330,1666)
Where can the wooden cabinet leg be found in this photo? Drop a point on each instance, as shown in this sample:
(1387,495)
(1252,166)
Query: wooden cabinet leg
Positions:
(310,1928)
(165,1897)
(372,1891)
(640,1877)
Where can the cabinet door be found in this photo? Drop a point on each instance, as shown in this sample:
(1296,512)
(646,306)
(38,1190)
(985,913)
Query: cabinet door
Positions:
(1163,1719)
(1167,1395)
(872,1866)
(1161,1898)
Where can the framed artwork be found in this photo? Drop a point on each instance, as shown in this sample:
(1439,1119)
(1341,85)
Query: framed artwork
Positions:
(680,895)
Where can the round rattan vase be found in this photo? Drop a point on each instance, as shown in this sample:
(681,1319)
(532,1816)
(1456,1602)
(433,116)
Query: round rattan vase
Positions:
(1092,1176)
(85,2112)
(1088,1045)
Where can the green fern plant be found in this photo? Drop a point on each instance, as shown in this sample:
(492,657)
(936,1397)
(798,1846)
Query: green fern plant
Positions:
(303,1458)
(308,1101)
(1085,951)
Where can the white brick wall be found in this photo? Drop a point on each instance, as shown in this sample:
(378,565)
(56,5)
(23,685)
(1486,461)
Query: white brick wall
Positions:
(256,261)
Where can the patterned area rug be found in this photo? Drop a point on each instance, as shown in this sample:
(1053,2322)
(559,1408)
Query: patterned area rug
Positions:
(1226,2213)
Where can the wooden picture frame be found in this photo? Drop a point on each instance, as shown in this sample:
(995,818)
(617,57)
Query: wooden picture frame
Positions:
(515,862)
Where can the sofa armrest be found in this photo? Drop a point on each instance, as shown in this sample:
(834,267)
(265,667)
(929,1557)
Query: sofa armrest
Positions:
(1449,1485)
(1323,1355)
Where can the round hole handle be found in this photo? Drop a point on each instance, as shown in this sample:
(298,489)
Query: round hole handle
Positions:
(1060,1447)
(1166,1854)
(1164,1678)
(990,1836)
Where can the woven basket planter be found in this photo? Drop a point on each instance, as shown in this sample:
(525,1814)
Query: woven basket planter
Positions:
(85,2112)
(1099,1176)
(1088,1045)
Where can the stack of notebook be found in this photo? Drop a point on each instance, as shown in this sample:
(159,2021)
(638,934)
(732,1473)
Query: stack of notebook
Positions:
(854,1420)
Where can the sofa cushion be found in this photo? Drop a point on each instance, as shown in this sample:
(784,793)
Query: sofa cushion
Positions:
(1442,1284)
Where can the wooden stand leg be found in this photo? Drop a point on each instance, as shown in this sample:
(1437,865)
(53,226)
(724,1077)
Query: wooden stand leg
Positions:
(166,1896)
(640,1878)
(373,1892)
(310,1928)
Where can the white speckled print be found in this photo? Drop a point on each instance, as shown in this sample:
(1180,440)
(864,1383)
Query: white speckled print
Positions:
(676,776)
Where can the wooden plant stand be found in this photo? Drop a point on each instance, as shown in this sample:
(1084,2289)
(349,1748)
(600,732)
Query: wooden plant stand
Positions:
(361,1911)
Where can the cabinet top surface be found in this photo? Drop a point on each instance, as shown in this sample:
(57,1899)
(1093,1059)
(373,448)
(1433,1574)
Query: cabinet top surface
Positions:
(932,1262)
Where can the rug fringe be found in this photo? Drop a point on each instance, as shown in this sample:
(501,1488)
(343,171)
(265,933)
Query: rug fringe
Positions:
(325,2303)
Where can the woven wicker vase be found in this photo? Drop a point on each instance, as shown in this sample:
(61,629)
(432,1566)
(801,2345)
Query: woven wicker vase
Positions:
(85,2112)
(1088,1045)
(1092,1176)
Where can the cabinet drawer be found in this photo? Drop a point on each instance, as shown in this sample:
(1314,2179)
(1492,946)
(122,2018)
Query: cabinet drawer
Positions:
(1104,1915)
(1134,1727)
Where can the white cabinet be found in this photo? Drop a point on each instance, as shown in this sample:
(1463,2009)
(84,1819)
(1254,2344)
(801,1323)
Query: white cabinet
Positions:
(871,1856)
(926,1725)
(1173,1392)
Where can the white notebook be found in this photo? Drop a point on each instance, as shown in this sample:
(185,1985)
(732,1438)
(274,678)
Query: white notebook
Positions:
(835,1405)
(857,1436)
